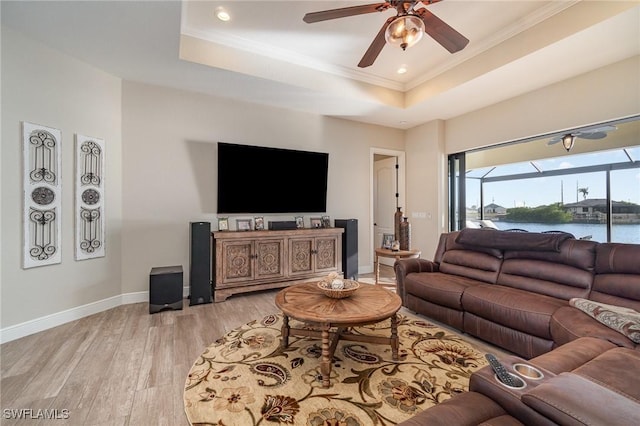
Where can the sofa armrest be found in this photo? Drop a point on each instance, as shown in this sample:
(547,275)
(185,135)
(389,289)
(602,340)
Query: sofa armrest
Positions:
(465,409)
(404,267)
(572,399)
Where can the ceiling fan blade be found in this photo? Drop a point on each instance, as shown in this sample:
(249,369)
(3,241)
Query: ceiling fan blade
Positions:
(343,12)
(375,47)
(554,140)
(441,32)
(597,133)
(592,135)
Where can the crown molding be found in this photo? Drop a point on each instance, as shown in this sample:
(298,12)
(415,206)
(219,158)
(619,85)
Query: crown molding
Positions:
(287,56)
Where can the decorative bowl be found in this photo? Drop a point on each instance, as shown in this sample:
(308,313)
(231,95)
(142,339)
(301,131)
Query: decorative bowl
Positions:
(350,286)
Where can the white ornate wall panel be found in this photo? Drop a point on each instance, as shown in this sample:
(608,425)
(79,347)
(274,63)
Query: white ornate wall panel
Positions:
(42,188)
(89,203)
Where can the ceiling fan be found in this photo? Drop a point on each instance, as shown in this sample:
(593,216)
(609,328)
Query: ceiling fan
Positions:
(404,30)
(569,139)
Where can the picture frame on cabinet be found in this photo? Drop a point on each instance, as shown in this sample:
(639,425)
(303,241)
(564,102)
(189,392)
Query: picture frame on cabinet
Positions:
(299,222)
(243,224)
(258,223)
(223,224)
(316,222)
(326,221)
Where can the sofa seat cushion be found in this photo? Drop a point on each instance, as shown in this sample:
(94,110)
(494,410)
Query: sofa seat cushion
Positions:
(569,323)
(524,344)
(571,399)
(572,355)
(518,309)
(438,288)
(615,369)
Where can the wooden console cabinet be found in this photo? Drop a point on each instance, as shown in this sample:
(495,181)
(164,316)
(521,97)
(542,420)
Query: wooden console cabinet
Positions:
(257,260)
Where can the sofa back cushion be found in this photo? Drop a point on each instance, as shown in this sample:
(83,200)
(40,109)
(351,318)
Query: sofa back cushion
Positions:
(563,274)
(480,263)
(449,241)
(617,280)
(507,240)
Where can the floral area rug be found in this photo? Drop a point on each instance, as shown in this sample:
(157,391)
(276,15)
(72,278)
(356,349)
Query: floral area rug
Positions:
(246,378)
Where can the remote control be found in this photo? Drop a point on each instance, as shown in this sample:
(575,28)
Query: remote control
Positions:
(500,371)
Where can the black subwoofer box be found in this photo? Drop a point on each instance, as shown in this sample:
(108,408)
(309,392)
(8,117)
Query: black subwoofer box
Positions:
(349,247)
(200,264)
(165,288)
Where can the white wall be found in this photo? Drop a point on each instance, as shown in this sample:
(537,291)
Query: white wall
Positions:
(43,86)
(169,163)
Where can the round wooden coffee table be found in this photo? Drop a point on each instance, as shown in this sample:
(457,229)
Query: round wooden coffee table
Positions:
(368,305)
(398,254)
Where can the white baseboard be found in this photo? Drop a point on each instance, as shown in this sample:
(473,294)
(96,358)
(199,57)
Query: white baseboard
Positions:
(46,322)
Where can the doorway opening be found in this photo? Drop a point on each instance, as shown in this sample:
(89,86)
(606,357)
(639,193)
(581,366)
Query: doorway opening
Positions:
(387,183)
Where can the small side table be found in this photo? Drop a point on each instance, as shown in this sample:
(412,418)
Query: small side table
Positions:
(398,254)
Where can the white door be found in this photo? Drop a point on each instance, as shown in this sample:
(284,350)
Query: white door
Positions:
(384,203)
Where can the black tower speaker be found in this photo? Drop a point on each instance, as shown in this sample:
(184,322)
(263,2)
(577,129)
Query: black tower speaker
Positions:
(200,263)
(165,288)
(349,247)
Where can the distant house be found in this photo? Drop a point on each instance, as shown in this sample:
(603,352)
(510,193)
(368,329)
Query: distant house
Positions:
(595,210)
(493,211)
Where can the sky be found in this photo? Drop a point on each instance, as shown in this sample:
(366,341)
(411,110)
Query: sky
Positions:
(625,184)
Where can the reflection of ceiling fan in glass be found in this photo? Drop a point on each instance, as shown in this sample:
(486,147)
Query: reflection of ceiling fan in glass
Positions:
(569,139)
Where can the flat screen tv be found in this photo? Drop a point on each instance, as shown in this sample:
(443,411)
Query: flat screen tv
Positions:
(256,179)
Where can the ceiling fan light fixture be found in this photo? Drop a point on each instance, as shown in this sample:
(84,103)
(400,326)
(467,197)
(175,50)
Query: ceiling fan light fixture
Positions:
(404,31)
(568,140)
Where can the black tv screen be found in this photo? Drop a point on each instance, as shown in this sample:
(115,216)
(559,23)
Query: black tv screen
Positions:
(255,179)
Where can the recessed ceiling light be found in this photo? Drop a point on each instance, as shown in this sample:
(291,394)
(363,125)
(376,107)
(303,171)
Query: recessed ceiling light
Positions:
(222,14)
(403,69)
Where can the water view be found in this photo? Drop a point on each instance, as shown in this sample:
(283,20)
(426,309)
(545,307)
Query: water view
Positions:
(620,233)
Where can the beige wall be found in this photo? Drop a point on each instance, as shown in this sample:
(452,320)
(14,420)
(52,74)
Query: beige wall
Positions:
(604,94)
(169,163)
(426,185)
(43,86)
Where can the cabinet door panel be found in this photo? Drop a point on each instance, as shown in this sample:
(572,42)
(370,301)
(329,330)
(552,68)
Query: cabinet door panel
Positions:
(326,254)
(300,256)
(237,261)
(269,258)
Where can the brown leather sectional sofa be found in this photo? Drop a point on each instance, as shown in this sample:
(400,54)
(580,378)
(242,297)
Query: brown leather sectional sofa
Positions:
(513,289)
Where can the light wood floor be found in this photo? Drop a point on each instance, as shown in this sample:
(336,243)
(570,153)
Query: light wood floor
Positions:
(122,366)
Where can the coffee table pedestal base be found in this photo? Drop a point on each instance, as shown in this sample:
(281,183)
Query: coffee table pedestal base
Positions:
(330,338)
